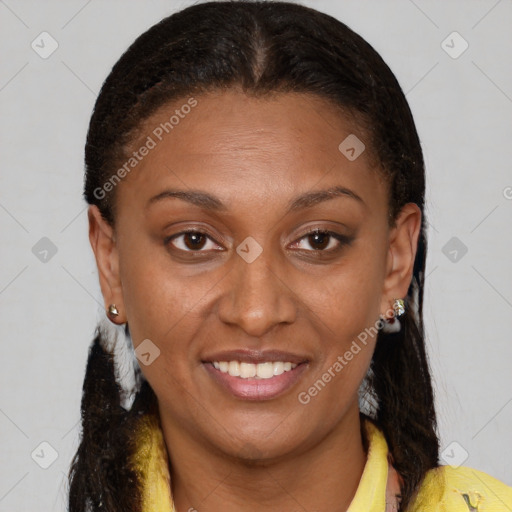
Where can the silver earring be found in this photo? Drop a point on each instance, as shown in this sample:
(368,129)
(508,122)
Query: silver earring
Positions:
(399,307)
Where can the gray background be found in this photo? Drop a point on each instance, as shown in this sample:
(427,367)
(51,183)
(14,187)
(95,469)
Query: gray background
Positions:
(50,303)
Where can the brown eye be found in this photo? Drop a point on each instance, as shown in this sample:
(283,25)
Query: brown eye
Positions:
(194,241)
(322,241)
(191,241)
(319,241)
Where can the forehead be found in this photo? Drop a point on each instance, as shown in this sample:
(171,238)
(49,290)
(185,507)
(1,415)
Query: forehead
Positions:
(232,121)
(224,140)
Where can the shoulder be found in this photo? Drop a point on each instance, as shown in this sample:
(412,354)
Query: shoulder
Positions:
(463,489)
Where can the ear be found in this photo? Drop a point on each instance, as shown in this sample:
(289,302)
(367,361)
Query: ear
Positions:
(102,239)
(403,245)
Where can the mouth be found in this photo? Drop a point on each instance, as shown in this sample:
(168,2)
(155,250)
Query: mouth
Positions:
(251,375)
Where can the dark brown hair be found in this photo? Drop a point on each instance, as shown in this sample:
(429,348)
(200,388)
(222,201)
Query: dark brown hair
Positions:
(264,48)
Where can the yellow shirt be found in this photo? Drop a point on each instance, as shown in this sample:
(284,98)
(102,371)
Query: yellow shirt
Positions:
(444,489)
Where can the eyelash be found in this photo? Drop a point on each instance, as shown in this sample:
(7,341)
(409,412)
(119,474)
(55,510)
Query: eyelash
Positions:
(342,239)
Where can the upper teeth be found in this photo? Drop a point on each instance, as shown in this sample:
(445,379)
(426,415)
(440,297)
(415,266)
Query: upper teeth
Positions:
(250,370)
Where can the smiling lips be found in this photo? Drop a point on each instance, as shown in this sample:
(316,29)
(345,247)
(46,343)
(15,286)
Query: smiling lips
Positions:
(256,375)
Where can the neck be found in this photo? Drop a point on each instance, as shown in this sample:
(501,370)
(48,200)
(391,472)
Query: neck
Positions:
(322,477)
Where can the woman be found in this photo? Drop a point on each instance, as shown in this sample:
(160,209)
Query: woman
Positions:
(256,189)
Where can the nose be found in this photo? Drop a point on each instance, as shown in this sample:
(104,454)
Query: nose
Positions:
(258,297)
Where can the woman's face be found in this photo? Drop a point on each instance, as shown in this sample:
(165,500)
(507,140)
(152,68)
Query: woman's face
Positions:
(251,178)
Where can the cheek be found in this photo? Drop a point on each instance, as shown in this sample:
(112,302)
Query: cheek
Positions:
(347,334)
(159,308)
(347,314)
(349,300)
(155,299)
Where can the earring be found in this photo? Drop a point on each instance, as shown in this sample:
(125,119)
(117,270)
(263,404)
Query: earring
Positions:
(399,307)
(112,310)
(392,324)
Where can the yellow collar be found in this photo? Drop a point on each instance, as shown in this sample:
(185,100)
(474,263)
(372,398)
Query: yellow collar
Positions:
(150,461)
(457,489)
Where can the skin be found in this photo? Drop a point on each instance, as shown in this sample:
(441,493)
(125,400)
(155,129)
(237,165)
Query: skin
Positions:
(255,155)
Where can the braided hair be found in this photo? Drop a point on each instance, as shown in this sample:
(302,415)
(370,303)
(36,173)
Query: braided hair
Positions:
(262,47)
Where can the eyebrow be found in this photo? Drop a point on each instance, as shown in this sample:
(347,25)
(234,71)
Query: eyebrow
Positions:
(207,201)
